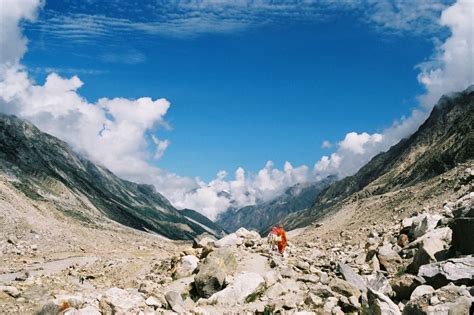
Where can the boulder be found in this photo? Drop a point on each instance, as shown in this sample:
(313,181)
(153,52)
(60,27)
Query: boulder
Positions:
(380,304)
(245,285)
(379,283)
(229,240)
(345,288)
(121,301)
(388,258)
(88,310)
(463,235)
(432,249)
(275,291)
(421,290)
(203,242)
(246,234)
(446,300)
(272,277)
(175,302)
(213,270)
(352,277)
(423,223)
(456,270)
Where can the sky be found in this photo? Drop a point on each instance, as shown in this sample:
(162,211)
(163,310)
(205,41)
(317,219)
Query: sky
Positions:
(243,97)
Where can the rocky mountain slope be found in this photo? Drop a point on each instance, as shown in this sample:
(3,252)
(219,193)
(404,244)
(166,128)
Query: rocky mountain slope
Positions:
(263,215)
(47,170)
(445,139)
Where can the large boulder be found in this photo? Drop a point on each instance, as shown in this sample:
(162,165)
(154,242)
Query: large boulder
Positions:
(432,248)
(175,302)
(213,271)
(421,290)
(456,270)
(229,240)
(352,277)
(389,259)
(446,300)
(245,285)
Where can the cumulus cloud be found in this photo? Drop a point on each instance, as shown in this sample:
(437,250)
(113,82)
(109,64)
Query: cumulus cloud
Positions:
(118,133)
(452,67)
(326,144)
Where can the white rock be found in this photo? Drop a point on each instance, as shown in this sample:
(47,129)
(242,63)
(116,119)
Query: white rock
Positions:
(421,290)
(272,277)
(244,233)
(229,240)
(124,301)
(10,290)
(244,284)
(153,301)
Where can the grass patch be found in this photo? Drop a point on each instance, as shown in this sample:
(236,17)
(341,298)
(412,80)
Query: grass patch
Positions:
(401,271)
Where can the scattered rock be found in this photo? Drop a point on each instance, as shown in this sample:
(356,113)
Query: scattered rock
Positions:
(121,301)
(345,288)
(10,290)
(404,285)
(229,240)
(175,302)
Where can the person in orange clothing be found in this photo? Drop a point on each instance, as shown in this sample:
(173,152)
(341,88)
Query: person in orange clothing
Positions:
(282,235)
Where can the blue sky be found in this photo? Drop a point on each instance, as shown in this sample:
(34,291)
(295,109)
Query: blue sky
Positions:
(242,97)
(197,97)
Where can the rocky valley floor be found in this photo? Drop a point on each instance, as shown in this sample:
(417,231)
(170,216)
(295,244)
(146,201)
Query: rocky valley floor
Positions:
(406,252)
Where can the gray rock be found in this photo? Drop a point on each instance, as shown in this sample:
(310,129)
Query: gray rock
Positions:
(389,258)
(275,291)
(446,300)
(153,301)
(244,285)
(229,240)
(212,272)
(380,304)
(246,234)
(423,223)
(421,290)
(457,270)
(345,288)
(379,283)
(272,277)
(350,276)
(432,249)
(175,302)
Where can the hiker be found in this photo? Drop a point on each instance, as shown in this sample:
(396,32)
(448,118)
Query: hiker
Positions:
(282,239)
(273,239)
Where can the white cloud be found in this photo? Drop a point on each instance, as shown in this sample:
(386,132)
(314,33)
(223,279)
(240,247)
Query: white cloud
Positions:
(452,67)
(189,18)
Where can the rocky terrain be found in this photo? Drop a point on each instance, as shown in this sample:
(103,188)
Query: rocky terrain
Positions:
(419,261)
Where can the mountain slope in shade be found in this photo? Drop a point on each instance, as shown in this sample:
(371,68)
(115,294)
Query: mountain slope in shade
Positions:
(203,221)
(444,140)
(47,170)
(260,216)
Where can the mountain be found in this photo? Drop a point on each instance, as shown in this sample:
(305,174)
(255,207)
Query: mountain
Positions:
(443,141)
(265,214)
(203,221)
(46,169)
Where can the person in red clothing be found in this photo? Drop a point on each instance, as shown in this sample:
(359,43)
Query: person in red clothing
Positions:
(282,243)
